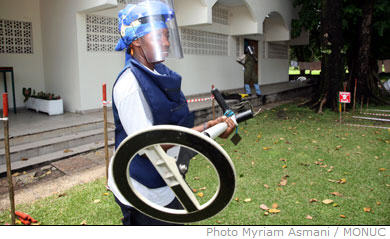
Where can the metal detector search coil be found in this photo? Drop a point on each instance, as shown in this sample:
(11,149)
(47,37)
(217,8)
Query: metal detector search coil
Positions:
(148,142)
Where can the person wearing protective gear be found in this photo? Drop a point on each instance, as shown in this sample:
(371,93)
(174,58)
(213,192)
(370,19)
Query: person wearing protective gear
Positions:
(250,76)
(147,93)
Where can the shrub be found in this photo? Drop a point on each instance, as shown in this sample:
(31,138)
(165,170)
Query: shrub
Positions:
(40,95)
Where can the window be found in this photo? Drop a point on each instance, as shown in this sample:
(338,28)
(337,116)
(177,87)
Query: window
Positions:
(277,51)
(220,14)
(239,50)
(102,33)
(195,42)
(15,37)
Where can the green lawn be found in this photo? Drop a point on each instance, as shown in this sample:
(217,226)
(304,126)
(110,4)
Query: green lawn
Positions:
(295,71)
(384,77)
(288,156)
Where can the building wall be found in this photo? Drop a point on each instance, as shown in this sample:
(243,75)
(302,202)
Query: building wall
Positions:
(28,68)
(262,8)
(192,12)
(275,17)
(67,71)
(96,68)
(60,52)
(272,68)
(275,28)
(273,71)
(199,71)
(242,21)
(66,67)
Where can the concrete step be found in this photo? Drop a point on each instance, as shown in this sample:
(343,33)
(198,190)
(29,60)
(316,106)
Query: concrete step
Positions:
(54,156)
(33,149)
(47,134)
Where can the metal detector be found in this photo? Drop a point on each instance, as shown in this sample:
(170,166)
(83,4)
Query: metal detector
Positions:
(148,141)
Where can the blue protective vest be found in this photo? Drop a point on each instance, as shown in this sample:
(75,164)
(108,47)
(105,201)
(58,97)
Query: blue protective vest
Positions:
(168,106)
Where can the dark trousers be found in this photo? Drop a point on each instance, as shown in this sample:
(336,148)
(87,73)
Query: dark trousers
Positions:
(133,217)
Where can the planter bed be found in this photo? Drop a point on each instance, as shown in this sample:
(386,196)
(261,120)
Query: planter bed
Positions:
(52,107)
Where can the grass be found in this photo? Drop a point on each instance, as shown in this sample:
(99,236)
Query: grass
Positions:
(312,152)
(295,71)
(384,77)
(83,204)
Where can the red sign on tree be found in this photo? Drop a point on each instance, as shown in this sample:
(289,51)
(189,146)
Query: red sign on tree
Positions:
(344,97)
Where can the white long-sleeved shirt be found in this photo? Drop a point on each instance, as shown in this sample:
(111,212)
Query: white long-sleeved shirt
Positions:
(135,115)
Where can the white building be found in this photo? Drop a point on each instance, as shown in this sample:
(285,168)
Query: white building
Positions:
(67,46)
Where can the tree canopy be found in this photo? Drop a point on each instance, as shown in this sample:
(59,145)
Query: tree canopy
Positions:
(360,29)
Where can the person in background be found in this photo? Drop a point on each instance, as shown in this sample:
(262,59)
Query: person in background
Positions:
(249,61)
(148,93)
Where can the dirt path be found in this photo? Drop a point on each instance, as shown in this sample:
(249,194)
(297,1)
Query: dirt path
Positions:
(55,186)
(57,177)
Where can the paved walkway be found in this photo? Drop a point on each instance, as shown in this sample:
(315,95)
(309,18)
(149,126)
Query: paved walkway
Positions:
(30,122)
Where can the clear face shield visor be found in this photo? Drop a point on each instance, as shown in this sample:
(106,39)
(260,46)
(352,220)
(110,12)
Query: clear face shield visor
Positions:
(162,39)
(250,50)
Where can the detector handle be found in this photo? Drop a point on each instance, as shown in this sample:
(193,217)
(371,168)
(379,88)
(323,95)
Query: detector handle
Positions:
(240,117)
(219,98)
(218,129)
(243,116)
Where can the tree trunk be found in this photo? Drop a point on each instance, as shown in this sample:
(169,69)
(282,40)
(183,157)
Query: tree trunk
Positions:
(332,67)
(364,66)
(363,60)
(300,54)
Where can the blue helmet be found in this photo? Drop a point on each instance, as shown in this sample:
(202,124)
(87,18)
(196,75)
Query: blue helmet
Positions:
(137,20)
